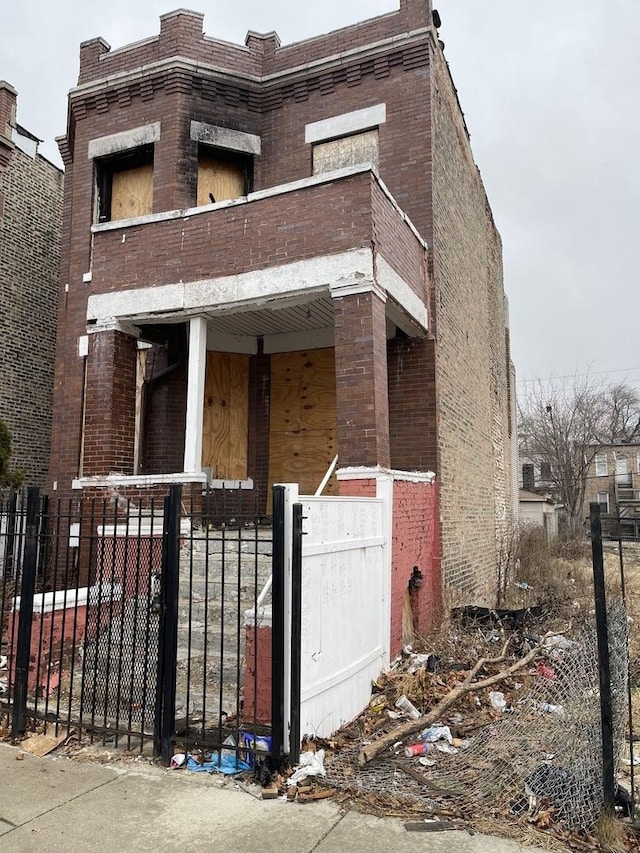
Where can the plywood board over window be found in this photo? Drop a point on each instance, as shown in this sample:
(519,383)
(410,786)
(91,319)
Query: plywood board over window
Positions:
(226,415)
(348,151)
(303,419)
(132,192)
(221,178)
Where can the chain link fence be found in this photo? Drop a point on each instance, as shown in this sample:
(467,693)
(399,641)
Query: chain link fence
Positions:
(542,754)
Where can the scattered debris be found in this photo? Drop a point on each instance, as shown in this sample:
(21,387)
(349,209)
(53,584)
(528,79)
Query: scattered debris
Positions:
(223,763)
(498,702)
(42,744)
(472,616)
(311,764)
(431,826)
(270,792)
(408,707)
(308,796)
(370,751)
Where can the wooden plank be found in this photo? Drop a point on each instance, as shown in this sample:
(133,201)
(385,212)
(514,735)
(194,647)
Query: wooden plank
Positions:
(132,192)
(303,419)
(226,415)
(141,370)
(222,179)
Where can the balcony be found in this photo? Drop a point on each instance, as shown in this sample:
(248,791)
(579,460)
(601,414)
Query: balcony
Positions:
(245,259)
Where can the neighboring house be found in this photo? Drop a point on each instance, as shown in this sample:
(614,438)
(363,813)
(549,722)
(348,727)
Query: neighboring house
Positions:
(613,481)
(30,224)
(279,253)
(538,511)
(534,473)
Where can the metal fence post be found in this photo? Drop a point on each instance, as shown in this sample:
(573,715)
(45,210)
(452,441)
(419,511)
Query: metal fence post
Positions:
(606,714)
(278,628)
(165,718)
(12,511)
(296,633)
(27,590)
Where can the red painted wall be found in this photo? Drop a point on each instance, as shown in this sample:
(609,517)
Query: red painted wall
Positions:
(416,542)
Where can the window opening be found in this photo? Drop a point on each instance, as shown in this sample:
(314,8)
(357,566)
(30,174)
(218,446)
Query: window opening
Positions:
(222,175)
(347,151)
(125,184)
(601,465)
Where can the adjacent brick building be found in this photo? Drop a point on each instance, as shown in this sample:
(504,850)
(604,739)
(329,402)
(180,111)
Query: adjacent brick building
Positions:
(613,481)
(274,254)
(30,223)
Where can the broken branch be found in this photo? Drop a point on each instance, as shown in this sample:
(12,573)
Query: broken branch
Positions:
(372,750)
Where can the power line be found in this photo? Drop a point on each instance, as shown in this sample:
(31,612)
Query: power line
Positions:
(577,375)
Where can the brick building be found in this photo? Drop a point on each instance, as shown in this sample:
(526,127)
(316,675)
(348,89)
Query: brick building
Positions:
(30,223)
(613,481)
(274,254)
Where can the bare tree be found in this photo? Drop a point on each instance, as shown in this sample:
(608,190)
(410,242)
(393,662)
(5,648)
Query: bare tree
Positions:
(566,424)
(622,404)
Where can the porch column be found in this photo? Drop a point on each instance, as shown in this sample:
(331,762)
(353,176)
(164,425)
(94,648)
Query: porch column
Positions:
(361,375)
(195,394)
(110,401)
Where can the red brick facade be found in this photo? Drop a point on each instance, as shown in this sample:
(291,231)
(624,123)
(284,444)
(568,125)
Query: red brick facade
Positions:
(421,365)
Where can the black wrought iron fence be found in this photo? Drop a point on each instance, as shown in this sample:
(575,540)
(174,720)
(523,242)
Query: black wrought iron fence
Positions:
(139,625)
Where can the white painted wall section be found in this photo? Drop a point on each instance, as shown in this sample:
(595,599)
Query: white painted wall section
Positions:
(345,124)
(124,141)
(224,137)
(253,288)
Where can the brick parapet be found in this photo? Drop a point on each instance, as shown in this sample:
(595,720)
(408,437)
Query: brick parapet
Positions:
(181,34)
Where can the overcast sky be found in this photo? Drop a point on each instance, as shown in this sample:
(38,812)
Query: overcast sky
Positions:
(550,92)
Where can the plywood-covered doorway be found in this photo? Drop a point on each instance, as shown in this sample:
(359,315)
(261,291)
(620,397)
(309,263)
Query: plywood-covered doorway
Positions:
(303,420)
(226,415)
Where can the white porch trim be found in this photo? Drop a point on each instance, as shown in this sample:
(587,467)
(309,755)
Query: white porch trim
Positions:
(138,481)
(195,394)
(338,275)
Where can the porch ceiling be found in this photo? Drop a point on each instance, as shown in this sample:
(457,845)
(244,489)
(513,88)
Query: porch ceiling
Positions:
(313,314)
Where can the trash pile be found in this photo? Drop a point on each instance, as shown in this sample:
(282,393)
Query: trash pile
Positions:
(500,726)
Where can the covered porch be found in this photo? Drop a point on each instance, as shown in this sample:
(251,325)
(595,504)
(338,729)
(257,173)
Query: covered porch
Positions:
(263,375)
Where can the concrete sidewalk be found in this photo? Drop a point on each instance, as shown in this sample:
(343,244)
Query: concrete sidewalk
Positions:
(54,803)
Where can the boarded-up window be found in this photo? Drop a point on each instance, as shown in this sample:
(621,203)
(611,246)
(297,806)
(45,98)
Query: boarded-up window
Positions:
(226,415)
(302,418)
(222,175)
(132,192)
(348,151)
(125,184)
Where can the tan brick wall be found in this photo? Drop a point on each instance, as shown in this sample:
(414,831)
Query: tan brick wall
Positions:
(29,265)
(471,360)
(606,483)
